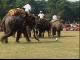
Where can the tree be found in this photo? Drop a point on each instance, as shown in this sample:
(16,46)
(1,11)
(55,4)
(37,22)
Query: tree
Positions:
(3,7)
(39,6)
(55,7)
(71,11)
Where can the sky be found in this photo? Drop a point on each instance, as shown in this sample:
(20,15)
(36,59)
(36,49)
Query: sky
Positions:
(73,0)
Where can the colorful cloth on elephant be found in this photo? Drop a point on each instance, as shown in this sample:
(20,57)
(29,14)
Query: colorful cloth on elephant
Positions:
(16,12)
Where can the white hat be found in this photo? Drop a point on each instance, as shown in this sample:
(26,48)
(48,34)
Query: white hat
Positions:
(40,11)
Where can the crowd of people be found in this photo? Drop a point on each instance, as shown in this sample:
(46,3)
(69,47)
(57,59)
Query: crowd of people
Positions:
(72,27)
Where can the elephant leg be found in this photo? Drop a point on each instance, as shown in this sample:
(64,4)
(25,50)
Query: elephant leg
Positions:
(26,35)
(40,34)
(5,37)
(18,36)
(14,35)
(58,33)
(35,35)
(49,33)
(29,33)
(6,40)
(54,31)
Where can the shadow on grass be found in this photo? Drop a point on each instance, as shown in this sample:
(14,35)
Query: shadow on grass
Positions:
(53,37)
(68,36)
(25,43)
(40,42)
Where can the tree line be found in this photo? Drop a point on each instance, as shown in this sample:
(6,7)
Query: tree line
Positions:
(69,11)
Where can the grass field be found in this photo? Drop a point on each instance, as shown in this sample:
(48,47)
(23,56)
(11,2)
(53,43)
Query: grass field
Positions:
(66,47)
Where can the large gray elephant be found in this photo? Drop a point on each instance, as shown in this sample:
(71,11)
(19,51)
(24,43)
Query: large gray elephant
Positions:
(13,24)
(57,27)
(42,26)
(31,25)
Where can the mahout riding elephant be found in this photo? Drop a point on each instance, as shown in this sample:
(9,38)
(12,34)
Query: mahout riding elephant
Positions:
(57,27)
(13,24)
(42,26)
(17,23)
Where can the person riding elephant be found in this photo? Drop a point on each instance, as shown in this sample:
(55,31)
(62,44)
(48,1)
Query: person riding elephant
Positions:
(54,18)
(41,15)
(57,26)
(17,21)
(27,8)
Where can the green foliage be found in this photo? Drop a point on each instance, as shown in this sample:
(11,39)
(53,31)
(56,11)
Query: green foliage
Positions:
(69,11)
(56,7)
(21,3)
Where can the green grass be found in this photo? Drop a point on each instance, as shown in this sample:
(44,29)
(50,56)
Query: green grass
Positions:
(67,47)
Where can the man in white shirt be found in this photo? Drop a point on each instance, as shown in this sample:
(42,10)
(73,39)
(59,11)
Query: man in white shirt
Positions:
(41,15)
(54,18)
(27,8)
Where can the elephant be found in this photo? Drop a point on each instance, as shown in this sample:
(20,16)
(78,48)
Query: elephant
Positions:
(42,26)
(13,24)
(57,27)
(17,23)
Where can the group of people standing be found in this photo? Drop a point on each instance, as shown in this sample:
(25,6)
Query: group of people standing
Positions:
(41,15)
